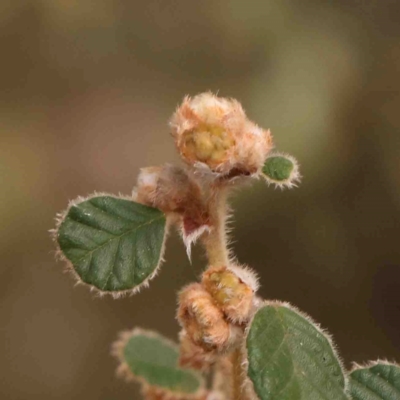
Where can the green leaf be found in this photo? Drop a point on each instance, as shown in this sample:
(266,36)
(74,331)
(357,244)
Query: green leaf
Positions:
(112,244)
(290,358)
(281,170)
(379,381)
(152,359)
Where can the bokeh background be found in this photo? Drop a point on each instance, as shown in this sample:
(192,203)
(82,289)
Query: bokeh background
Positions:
(87,88)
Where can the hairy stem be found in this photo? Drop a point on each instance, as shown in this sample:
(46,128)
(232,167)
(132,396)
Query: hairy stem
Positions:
(237,376)
(222,377)
(215,241)
(215,244)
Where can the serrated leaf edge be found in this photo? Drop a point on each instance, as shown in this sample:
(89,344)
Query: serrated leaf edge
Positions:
(248,382)
(69,267)
(124,372)
(295,176)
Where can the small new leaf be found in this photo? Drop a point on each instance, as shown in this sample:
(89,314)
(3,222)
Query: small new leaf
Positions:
(281,170)
(377,381)
(112,244)
(152,360)
(290,358)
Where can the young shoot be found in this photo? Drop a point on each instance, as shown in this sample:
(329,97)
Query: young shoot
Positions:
(233,345)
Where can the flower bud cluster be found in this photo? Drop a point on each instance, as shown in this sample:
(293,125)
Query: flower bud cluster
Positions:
(215,132)
(203,320)
(213,313)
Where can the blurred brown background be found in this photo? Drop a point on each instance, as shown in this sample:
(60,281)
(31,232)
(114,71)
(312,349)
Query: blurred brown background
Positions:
(87,88)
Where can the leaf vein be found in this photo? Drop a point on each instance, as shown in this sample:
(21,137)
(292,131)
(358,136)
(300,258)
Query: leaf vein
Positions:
(117,237)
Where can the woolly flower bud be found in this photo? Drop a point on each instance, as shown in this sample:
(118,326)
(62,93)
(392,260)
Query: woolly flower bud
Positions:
(215,132)
(232,289)
(203,321)
(166,187)
(170,189)
(147,182)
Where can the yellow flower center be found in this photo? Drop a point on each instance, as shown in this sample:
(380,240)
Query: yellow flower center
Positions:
(208,143)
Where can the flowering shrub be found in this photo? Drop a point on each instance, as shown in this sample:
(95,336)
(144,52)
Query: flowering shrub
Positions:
(254,349)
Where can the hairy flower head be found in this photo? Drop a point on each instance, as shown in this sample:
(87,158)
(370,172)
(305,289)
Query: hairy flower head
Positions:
(215,132)
(203,321)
